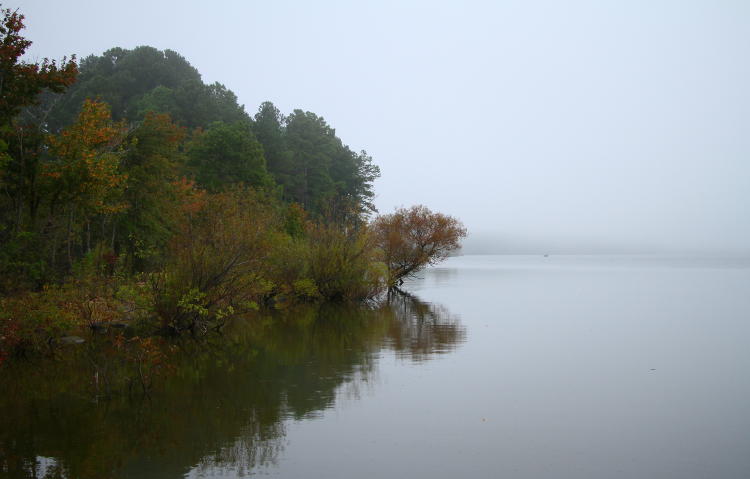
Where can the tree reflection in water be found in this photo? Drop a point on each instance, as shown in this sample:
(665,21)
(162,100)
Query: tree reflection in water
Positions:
(422,329)
(222,406)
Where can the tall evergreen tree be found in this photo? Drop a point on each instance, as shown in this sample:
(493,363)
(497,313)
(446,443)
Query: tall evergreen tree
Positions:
(225,154)
(144,79)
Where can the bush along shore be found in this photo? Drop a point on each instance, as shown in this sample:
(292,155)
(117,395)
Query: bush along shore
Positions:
(139,202)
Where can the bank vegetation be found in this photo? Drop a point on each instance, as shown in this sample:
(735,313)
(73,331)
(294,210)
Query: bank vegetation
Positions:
(136,200)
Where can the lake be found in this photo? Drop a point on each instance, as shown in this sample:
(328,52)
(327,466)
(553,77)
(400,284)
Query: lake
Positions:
(490,366)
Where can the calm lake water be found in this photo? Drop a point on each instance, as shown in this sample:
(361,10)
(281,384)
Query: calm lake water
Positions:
(495,366)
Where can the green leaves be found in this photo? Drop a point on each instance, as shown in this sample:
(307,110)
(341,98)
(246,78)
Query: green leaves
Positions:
(144,79)
(194,302)
(314,167)
(227,154)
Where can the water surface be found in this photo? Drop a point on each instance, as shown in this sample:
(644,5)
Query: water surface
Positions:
(497,366)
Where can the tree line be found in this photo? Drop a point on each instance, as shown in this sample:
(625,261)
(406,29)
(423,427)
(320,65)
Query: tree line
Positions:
(134,192)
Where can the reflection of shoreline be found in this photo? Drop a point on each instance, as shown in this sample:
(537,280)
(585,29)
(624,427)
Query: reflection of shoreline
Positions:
(223,407)
(422,329)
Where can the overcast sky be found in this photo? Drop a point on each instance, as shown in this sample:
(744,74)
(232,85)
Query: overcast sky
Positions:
(604,124)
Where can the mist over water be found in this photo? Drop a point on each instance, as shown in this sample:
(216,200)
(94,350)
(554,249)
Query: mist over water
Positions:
(484,243)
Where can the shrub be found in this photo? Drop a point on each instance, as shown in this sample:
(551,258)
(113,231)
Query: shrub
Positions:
(215,262)
(30,322)
(342,263)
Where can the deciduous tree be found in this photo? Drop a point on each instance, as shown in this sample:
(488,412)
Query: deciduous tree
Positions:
(21,142)
(21,82)
(413,238)
(84,180)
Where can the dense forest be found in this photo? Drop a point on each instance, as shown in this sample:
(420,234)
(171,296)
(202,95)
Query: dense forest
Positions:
(134,195)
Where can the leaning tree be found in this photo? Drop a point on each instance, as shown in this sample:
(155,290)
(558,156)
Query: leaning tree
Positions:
(413,238)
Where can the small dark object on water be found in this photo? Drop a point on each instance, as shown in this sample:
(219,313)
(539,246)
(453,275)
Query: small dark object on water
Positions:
(652,369)
(546,256)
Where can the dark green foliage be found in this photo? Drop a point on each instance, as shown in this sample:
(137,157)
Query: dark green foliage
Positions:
(152,162)
(192,104)
(313,166)
(225,154)
(302,153)
(312,144)
(21,150)
(342,262)
(269,129)
(20,177)
(144,79)
(22,262)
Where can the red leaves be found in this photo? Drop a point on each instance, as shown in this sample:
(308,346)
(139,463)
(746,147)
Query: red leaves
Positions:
(22,82)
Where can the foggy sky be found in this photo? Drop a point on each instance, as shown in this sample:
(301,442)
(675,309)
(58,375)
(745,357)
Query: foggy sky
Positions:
(620,125)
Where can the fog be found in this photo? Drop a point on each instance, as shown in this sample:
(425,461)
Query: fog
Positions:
(581,126)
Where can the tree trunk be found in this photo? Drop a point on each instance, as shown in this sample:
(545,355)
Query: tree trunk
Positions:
(69,237)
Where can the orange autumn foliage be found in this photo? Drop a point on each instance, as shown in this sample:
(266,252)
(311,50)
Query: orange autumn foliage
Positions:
(86,166)
(413,238)
(190,197)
